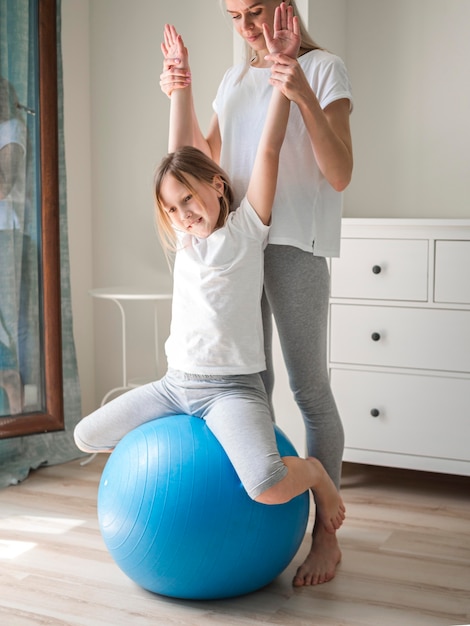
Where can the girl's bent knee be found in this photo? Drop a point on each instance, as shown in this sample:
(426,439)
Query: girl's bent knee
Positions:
(274,495)
(81,442)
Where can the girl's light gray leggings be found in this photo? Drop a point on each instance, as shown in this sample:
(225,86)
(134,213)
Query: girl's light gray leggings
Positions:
(235,408)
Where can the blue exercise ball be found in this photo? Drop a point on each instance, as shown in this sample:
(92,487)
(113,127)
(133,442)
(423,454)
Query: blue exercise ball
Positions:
(178,522)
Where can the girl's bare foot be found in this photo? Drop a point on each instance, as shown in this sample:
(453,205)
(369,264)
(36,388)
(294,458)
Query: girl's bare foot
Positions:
(322,560)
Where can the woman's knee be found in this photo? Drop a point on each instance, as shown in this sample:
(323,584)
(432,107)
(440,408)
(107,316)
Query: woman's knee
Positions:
(314,397)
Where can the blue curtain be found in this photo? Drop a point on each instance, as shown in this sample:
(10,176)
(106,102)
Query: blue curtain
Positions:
(18,456)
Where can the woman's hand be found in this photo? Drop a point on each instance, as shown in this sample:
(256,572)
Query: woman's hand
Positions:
(288,76)
(176,73)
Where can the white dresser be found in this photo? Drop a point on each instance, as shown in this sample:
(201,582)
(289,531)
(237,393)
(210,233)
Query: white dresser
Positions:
(399,342)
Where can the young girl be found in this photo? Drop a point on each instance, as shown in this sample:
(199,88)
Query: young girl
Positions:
(215,349)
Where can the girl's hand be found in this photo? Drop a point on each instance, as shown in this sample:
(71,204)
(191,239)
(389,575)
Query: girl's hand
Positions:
(283,46)
(176,73)
(286,36)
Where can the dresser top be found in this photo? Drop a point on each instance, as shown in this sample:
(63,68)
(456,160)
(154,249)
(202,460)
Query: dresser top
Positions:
(407,222)
(406,228)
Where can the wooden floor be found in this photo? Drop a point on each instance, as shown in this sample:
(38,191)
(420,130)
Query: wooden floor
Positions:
(406,560)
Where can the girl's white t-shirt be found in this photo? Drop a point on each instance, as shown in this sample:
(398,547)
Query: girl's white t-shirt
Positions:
(216,325)
(307,210)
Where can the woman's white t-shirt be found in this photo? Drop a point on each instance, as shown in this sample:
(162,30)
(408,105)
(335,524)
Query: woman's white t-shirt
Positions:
(307,210)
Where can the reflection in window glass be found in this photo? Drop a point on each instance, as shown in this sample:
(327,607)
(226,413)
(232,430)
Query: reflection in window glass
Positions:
(20,296)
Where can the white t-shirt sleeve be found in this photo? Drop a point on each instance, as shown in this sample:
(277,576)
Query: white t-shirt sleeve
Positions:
(247,220)
(332,81)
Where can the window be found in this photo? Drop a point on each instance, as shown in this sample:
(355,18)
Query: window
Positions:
(30,330)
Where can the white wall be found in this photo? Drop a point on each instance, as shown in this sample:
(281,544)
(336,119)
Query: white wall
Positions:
(327,23)
(408,64)
(408,61)
(77,104)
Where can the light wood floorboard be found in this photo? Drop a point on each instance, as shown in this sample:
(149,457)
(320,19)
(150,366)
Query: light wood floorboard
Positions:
(405,543)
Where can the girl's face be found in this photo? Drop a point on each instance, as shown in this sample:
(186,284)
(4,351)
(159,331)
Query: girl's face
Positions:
(248,18)
(194,214)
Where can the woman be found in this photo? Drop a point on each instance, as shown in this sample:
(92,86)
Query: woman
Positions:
(315,167)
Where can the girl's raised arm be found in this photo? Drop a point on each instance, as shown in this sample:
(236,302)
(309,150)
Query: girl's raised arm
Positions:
(181,118)
(176,76)
(283,44)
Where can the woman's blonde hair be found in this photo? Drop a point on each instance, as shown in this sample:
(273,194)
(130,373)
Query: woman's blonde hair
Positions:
(306,42)
(183,161)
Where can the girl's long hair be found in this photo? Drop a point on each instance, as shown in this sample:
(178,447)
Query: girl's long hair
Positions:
(183,162)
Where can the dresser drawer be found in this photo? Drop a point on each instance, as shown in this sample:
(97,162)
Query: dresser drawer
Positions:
(433,339)
(452,273)
(384,269)
(404,414)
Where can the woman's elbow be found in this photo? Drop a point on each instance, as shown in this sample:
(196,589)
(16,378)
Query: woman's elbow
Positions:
(341,185)
(340,179)
(341,182)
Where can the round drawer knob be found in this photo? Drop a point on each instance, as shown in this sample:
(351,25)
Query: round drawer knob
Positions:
(375,336)
(375,412)
(376,269)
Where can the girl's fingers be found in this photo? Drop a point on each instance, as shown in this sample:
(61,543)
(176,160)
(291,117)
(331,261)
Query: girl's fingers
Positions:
(283,17)
(167,36)
(295,25)
(266,33)
(277,18)
(170,33)
(172,41)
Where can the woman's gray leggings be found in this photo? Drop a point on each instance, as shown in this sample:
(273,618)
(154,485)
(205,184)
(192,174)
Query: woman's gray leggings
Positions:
(296,293)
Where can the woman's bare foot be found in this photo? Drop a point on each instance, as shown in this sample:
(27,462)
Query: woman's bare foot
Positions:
(320,564)
(330,510)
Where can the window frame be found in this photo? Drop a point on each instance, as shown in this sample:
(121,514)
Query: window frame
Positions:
(52,418)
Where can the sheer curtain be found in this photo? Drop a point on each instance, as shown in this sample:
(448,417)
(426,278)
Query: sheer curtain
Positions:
(20,337)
